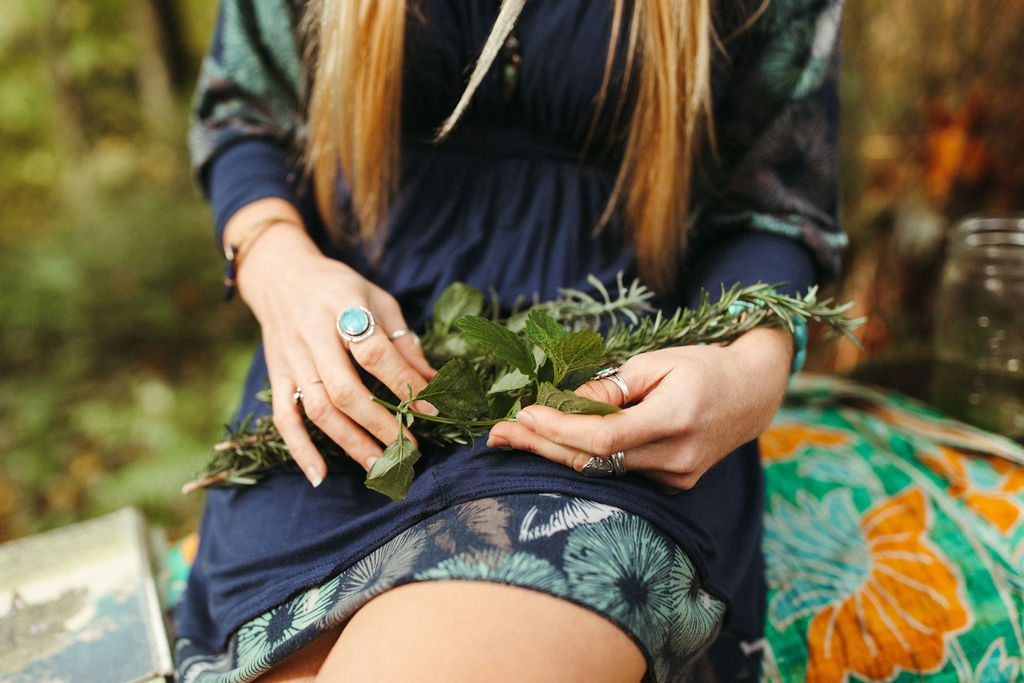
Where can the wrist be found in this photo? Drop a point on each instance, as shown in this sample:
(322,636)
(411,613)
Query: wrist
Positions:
(766,349)
(250,226)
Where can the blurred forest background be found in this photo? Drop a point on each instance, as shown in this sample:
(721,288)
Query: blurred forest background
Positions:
(118,361)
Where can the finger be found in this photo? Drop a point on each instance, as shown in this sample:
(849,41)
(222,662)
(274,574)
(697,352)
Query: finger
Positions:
(519,437)
(349,396)
(378,356)
(405,340)
(659,461)
(602,435)
(288,420)
(408,344)
(345,389)
(352,438)
(637,375)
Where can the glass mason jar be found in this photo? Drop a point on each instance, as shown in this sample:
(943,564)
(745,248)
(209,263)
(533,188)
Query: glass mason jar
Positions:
(979,326)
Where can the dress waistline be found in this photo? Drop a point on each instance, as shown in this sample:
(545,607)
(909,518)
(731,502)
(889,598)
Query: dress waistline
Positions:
(518,142)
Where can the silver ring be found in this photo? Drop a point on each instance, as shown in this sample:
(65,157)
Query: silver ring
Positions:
(613,375)
(297,396)
(604,467)
(618,461)
(402,332)
(598,467)
(356,324)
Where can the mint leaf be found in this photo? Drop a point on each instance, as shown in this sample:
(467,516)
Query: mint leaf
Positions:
(543,330)
(576,351)
(504,406)
(456,391)
(568,402)
(513,380)
(500,341)
(393,472)
(456,301)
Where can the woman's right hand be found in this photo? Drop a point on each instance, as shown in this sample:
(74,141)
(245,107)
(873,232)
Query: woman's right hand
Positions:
(296,294)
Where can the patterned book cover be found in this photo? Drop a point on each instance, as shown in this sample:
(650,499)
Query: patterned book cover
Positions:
(80,603)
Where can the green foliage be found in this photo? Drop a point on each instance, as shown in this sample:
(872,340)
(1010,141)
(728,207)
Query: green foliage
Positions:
(530,357)
(456,391)
(393,472)
(115,349)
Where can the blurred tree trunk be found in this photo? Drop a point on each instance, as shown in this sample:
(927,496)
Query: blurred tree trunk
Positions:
(77,187)
(154,70)
(180,60)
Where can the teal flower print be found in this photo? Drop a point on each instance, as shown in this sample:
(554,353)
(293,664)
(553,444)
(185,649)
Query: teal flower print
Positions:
(624,569)
(815,552)
(996,666)
(373,574)
(521,569)
(260,638)
(797,61)
(698,615)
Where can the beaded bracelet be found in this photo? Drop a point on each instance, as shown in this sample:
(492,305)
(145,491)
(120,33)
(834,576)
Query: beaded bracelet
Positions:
(233,252)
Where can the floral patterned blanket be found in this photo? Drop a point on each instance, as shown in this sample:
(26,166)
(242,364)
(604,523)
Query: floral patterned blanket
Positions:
(894,542)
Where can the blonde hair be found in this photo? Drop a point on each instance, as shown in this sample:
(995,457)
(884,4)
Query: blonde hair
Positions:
(354,120)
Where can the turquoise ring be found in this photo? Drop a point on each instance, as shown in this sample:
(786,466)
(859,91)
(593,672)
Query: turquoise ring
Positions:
(356,324)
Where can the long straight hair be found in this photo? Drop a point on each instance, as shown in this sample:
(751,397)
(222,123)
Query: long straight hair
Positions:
(354,120)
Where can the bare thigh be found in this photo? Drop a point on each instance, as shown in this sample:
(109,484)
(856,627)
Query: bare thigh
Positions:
(451,631)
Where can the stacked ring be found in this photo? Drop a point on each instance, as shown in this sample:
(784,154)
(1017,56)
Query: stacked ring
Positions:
(613,375)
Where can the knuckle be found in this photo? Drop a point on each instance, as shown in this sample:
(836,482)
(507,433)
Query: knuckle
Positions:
(317,411)
(602,440)
(371,352)
(344,394)
(286,420)
(682,467)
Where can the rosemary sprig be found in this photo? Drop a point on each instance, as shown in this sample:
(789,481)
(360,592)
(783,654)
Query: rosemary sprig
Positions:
(490,367)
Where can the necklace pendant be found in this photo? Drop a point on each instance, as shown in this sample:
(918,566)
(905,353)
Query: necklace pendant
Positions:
(510,64)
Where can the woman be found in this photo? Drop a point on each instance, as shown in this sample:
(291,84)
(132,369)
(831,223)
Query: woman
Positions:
(580,143)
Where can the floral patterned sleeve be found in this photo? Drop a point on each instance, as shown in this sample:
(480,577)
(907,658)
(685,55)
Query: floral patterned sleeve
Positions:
(776,110)
(251,85)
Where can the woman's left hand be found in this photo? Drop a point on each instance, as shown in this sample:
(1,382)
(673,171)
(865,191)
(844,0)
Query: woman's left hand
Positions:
(692,405)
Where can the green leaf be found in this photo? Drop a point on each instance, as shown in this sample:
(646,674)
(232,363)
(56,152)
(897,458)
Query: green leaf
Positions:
(513,380)
(393,472)
(543,330)
(500,341)
(582,349)
(504,406)
(568,402)
(456,301)
(456,391)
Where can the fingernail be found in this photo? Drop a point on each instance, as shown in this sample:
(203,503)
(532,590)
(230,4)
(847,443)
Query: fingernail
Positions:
(425,408)
(527,420)
(497,442)
(314,477)
(370,462)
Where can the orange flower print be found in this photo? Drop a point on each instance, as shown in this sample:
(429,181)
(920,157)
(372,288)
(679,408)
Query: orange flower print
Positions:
(879,595)
(989,486)
(784,440)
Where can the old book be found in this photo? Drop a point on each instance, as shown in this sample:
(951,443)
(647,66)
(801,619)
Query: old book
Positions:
(80,603)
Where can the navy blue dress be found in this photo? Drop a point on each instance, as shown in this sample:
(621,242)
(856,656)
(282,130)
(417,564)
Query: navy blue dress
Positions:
(510,202)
